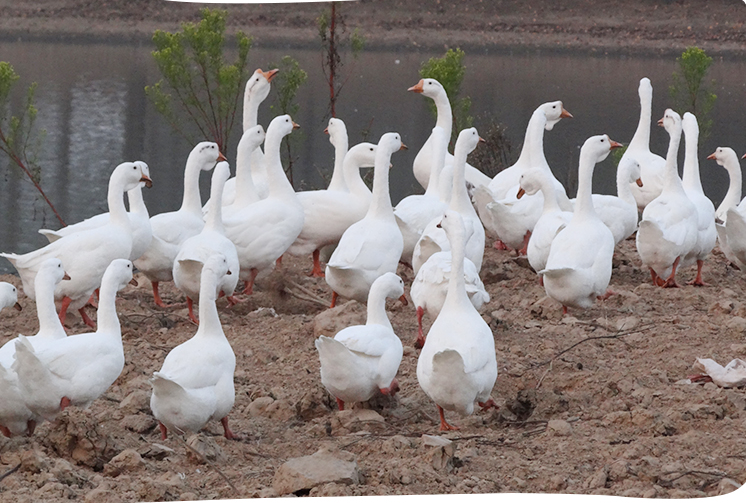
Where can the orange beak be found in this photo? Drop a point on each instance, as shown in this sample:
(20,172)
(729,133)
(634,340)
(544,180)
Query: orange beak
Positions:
(295,126)
(660,122)
(403,300)
(270,74)
(17,306)
(133,282)
(326,130)
(66,276)
(419,87)
(614,144)
(403,147)
(565,114)
(148,183)
(743,156)
(712,156)
(481,140)
(221,157)
(521,193)
(639,182)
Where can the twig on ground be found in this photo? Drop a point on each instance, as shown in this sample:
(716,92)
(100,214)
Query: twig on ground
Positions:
(545,374)
(309,295)
(10,472)
(667,482)
(204,458)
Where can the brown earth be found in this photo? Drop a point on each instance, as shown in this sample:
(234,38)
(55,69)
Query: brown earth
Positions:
(622,423)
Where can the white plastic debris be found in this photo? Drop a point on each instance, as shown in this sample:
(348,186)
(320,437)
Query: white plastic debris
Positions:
(732,375)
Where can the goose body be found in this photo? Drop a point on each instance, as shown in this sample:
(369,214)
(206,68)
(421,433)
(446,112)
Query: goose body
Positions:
(652,166)
(457,365)
(9,296)
(731,224)
(668,229)
(86,254)
(372,246)
(77,369)
(139,220)
(196,250)
(328,213)
(433,238)
(706,232)
(172,228)
(423,162)
(579,263)
(263,231)
(361,360)
(195,382)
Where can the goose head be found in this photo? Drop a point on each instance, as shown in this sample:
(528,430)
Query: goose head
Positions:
(645,89)
(129,175)
(671,121)
(146,172)
(52,268)
(258,85)
(598,147)
(250,140)
(9,297)
(216,265)
(530,182)
(453,225)
(689,124)
(221,173)
(336,130)
(205,155)
(632,167)
(428,87)
(725,156)
(468,139)
(281,126)
(391,284)
(119,273)
(362,155)
(390,143)
(554,111)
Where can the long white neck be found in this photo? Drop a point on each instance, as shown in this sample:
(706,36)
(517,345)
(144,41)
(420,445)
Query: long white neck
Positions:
(671,180)
(535,140)
(250,111)
(136,201)
(278,183)
(115,199)
(209,321)
(341,144)
(623,189)
(246,193)
(438,160)
(445,114)
(534,130)
(377,307)
(550,196)
(380,204)
(49,322)
(456,294)
(214,222)
(108,321)
(733,196)
(354,181)
(690,178)
(192,201)
(459,195)
(641,139)
(584,202)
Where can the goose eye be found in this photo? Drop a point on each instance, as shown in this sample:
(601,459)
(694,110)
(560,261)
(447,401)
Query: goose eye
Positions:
(371,150)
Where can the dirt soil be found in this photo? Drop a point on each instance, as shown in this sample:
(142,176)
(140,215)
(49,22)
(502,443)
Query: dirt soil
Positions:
(622,420)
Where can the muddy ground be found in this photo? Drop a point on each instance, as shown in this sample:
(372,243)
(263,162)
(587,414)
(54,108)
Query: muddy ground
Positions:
(622,421)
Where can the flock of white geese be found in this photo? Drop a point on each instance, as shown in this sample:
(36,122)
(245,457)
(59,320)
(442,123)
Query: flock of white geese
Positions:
(252,220)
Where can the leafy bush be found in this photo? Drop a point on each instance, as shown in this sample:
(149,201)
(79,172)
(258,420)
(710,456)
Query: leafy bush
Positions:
(689,92)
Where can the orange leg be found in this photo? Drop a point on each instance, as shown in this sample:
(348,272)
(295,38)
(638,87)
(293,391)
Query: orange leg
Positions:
(392,389)
(157,298)
(541,280)
(698,280)
(499,245)
(605,296)
(5,431)
(444,426)
(671,281)
(86,319)
(64,403)
(335,295)
(30,427)
(489,404)
(227,433)
(93,301)
(278,262)
(340,404)
(63,309)
(524,248)
(317,272)
(190,305)
(420,334)
(164,430)
(564,310)
(249,285)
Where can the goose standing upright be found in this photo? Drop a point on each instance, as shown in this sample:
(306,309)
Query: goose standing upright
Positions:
(652,166)
(433,239)
(731,224)
(363,359)
(195,251)
(86,254)
(668,229)
(414,212)
(337,132)
(328,213)
(372,246)
(424,159)
(172,228)
(706,232)
(579,263)
(195,383)
(79,368)
(138,216)
(457,366)
(9,296)
(245,191)
(263,231)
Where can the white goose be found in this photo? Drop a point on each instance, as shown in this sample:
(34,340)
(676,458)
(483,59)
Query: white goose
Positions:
(195,383)
(337,132)
(196,250)
(372,246)
(138,217)
(433,239)
(426,156)
(579,263)
(9,296)
(652,166)
(245,191)
(172,228)
(77,369)
(363,359)
(328,213)
(512,220)
(457,366)
(551,221)
(414,212)
(256,91)
(86,254)
(706,232)
(263,231)
(15,417)
(731,224)
(668,229)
